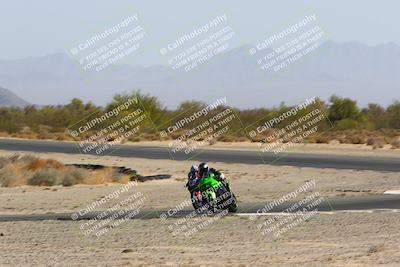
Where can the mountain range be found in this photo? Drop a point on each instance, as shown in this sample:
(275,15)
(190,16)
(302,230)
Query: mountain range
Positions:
(9,99)
(364,73)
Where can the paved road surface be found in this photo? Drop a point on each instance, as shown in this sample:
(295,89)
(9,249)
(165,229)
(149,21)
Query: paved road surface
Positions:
(228,156)
(391,202)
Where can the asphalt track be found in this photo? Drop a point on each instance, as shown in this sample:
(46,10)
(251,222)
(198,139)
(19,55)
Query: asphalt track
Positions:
(391,202)
(227,156)
(378,203)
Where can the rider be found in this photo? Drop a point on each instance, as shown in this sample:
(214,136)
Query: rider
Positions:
(193,178)
(205,171)
(197,173)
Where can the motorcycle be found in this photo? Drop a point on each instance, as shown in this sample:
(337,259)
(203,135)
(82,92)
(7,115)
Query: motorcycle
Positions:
(213,195)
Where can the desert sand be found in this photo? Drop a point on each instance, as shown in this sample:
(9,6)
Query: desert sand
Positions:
(326,240)
(338,239)
(251,183)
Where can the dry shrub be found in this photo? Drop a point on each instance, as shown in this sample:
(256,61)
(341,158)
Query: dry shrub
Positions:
(321,139)
(26,159)
(135,138)
(47,177)
(243,139)
(376,142)
(357,139)
(106,175)
(212,142)
(4,134)
(334,142)
(396,143)
(261,138)
(44,128)
(337,136)
(10,175)
(100,176)
(29,170)
(75,176)
(29,135)
(4,161)
(45,136)
(258,139)
(40,164)
(370,141)
(231,138)
(119,177)
(176,134)
(62,137)
(152,137)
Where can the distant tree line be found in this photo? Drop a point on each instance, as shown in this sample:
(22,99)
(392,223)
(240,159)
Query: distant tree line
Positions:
(45,122)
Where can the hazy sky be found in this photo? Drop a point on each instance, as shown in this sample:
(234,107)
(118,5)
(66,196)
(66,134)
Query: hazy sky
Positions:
(41,27)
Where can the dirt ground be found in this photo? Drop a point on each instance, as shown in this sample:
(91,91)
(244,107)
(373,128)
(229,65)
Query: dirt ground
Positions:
(251,183)
(338,239)
(325,240)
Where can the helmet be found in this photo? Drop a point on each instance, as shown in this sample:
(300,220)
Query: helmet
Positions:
(194,168)
(203,169)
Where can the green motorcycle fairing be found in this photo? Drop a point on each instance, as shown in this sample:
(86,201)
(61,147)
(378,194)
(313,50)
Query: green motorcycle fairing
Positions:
(209,183)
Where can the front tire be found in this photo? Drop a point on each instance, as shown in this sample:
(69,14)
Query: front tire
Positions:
(233,207)
(195,201)
(229,202)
